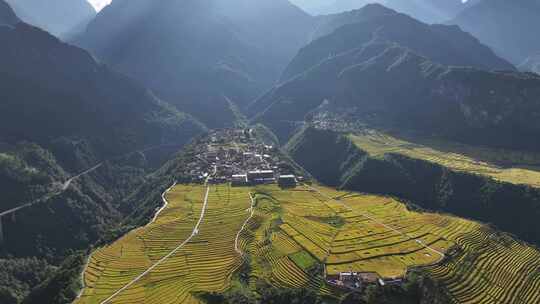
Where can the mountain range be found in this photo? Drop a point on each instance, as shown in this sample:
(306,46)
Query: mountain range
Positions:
(211,53)
(444,44)
(369,69)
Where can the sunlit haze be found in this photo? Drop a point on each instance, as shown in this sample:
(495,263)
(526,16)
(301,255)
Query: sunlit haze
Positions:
(99,4)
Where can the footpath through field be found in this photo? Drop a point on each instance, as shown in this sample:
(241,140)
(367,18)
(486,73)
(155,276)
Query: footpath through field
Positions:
(252,212)
(175,250)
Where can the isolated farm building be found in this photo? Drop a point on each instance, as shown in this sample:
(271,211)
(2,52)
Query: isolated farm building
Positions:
(353,280)
(287,181)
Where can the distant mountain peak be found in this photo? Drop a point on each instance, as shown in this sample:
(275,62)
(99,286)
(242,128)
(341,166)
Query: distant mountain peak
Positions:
(506,26)
(61,18)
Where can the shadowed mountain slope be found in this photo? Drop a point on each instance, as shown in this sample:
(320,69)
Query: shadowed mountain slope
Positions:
(7,15)
(444,44)
(62,113)
(51,89)
(210,52)
(386,84)
(61,18)
(509,27)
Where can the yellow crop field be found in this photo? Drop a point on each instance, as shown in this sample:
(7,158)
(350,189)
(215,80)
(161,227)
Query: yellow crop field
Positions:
(378,234)
(507,166)
(203,264)
(290,238)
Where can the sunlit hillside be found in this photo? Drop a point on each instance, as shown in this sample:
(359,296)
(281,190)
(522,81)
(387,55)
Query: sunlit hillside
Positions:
(503,165)
(298,238)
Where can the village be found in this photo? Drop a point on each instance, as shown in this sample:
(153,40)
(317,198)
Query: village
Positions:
(236,156)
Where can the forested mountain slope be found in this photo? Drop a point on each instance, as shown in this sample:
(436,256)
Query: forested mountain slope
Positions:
(443,44)
(210,52)
(385,84)
(61,114)
(60,91)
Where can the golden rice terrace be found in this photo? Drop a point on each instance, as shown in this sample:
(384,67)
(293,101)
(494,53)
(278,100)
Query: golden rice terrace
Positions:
(288,233)
(516,167)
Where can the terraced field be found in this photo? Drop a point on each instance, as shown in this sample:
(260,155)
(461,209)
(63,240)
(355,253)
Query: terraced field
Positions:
(508,166)
(378,234)
(375,234)
(492,269)
(291,237)
(203,264)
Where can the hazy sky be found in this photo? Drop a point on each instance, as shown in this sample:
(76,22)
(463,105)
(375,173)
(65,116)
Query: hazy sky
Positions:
(99,4)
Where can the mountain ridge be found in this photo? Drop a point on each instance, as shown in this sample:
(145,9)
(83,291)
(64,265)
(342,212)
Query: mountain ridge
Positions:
(7,15)
(459,102)
(61,18)
(505,26)
(205,57)
(444,44)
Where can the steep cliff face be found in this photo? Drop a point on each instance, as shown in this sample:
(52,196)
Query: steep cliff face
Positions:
(335,164)
(511,208)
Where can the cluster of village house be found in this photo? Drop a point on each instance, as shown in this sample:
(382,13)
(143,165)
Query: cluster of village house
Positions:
(358,280)
(236,156)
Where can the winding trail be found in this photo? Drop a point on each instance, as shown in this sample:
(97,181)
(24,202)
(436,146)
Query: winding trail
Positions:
(369,217)
(165,203)
(175,250)
(236,240)
(63,188)
(68,182)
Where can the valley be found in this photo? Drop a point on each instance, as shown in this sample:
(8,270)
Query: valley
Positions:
(215,235)
(269,152)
